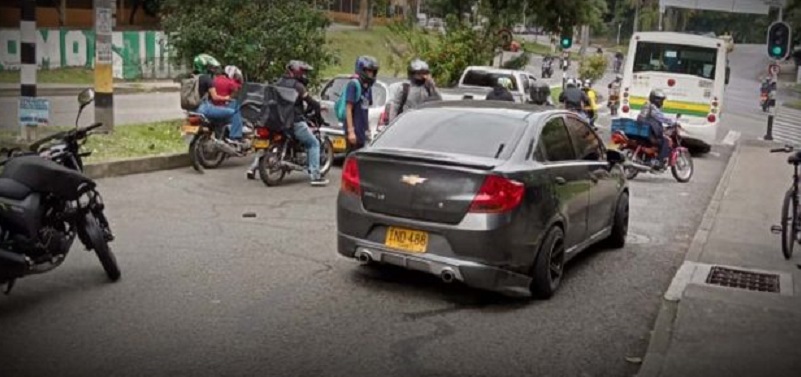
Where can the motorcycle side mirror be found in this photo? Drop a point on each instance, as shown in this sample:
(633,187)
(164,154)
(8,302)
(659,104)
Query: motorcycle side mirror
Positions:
(84,99)
(614,157)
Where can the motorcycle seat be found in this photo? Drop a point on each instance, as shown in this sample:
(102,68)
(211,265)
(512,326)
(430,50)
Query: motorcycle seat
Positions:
(12,189)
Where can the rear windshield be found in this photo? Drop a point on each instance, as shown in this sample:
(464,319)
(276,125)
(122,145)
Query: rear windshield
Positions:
(333,90)
(477,77)
(675,58)
(456,131)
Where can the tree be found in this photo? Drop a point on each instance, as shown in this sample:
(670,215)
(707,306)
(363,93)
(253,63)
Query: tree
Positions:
(365,14)
(258,36)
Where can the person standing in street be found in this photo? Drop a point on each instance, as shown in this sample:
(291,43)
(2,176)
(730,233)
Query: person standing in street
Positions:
(359,98)
(501,91)
(419,90)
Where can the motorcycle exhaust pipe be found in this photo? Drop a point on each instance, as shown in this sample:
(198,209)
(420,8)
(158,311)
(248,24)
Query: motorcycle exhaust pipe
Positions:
(13,264)
(293,166)
(638,166)
(447,276)
(225,148)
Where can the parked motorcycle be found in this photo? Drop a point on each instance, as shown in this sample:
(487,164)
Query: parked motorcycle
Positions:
(633,140)
(208,141)
(283,154)
(46,201)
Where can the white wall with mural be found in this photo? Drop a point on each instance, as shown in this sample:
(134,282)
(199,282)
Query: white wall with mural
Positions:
(137,54)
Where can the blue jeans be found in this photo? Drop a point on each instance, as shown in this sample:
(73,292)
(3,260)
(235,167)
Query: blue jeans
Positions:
(304,135)
(224,114)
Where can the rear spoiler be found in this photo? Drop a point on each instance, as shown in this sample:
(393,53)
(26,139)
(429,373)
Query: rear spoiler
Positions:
(440,158)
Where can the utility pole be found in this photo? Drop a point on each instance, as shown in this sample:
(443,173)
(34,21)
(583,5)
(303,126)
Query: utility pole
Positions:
(636,16)
(619,26)
(27,77)
(104,80)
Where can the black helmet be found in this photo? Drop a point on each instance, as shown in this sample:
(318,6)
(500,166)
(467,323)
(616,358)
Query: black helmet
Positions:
(657,97)
(417,66)
(298,69)
(367,63)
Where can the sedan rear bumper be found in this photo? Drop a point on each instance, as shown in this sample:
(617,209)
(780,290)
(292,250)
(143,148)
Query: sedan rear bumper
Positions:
(470,273)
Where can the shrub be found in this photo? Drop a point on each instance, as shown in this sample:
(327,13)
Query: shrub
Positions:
(592,67)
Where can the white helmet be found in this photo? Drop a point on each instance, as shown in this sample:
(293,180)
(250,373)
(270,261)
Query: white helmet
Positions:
(571,82)
(233,72)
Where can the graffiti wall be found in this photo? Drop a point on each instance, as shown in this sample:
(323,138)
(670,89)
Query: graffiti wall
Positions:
(137,54)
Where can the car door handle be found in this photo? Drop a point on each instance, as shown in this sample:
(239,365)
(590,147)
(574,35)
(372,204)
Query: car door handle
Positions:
(560,181)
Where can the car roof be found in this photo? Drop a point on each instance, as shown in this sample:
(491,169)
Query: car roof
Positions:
(502,108)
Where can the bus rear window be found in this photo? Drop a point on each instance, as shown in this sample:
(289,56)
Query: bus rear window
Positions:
(675,58)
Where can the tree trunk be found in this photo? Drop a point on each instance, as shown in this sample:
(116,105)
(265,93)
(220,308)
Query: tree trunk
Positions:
(637,18)
(365,14)
(585,39)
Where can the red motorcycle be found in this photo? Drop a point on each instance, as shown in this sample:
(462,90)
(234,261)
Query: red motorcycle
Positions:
(633,139)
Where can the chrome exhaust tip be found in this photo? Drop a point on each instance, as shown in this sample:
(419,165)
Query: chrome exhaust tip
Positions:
(447,276)
(363,257)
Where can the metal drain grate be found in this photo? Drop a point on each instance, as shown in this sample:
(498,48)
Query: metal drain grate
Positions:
(752,281)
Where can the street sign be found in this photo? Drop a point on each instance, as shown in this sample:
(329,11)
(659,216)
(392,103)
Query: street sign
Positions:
(774,69)
(34,112)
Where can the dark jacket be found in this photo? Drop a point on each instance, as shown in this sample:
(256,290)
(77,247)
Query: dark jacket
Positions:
(574,99)
(500,94)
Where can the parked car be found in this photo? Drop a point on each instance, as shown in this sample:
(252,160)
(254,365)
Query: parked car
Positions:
(496,195)
(330,94)
(477,81)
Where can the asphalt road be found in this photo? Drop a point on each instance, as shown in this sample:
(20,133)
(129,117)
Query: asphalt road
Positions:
(206,291)
(128,109)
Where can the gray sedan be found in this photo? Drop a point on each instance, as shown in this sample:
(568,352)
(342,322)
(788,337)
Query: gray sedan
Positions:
(496,195)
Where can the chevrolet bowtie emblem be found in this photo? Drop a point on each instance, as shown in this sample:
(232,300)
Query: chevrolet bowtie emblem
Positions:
(413,180)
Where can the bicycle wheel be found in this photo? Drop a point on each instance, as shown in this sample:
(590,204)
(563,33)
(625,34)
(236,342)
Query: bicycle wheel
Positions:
(789,223)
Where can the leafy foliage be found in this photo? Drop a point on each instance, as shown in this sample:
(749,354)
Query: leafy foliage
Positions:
(518,62)
(258,36)
(592,67)
(447,54)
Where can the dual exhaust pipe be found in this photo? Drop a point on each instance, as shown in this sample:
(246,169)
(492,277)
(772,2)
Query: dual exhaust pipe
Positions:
(447,275)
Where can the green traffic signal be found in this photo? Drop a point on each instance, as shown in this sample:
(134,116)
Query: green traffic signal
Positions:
(566,42)
(777,51)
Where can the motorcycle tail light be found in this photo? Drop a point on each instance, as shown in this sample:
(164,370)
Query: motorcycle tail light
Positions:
(618,138)
(194,120)
(262,133)
(711,118)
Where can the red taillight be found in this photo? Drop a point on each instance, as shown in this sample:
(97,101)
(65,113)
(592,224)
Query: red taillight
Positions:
(711,118)
(194,120)
(497,195)
(350,177)
(262,133)
(625,109)
(671,82)
(618,138)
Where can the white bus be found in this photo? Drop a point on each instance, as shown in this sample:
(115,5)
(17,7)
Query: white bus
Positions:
(693,72)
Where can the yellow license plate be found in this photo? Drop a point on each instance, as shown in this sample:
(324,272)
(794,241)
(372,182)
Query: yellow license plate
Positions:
(189,129)
(339,144)
(261,144)
(412,241)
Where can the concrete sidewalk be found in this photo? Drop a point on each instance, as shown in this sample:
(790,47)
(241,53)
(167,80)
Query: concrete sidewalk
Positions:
(708,330)
(55,90)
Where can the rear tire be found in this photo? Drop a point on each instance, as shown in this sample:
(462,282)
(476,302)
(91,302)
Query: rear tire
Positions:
(326,156)
(631,172)
(194,151)
(270,169)
(97,238)
(789,224)
(620,223)
(549,266)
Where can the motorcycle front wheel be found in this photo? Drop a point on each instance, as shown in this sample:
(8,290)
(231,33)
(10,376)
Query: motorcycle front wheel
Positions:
(270,169)
(682,168)
(97,238)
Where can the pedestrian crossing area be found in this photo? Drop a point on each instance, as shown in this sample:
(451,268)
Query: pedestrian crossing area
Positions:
(787,126)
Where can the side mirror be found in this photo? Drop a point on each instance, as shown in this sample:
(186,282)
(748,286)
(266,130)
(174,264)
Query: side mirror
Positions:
(84,98)
(614,157)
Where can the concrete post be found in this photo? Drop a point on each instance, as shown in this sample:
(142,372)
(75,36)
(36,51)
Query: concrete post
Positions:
(27,77)
(104,82)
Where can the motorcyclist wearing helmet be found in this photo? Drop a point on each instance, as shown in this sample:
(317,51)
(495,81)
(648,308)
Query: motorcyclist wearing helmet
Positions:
(296,77)
(591,108)
(501,90)
(540,94)
(226,86)
(652,114)
(216,105)
(573,98)
(419,90)
(357,121)
(614,93)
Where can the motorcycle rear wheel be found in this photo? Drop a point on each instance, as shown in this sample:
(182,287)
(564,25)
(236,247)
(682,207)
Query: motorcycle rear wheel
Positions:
(270,169)
(326,156)
(631,172)
(205,153)
(97,238)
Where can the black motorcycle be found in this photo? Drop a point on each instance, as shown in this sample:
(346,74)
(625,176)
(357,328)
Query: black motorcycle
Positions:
(45,202)
(285,154)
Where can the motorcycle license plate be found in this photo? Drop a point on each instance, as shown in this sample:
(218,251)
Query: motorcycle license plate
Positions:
(188,129)
(261,144)
(339,144)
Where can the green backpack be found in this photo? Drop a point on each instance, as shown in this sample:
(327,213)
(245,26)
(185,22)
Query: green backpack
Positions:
(341,106)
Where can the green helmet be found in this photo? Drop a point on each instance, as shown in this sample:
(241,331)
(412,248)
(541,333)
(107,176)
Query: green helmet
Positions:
(204,62)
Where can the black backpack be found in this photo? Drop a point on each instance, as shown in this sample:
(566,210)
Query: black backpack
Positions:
(278,111)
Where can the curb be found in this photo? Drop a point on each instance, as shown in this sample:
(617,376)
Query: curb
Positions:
(73,91)
(662,332)
(136,165)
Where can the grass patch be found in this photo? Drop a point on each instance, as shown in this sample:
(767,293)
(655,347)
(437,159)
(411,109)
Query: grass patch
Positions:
(350,44)
(73,75)
(555,92)
(136,140)
(537,48)
(794,104)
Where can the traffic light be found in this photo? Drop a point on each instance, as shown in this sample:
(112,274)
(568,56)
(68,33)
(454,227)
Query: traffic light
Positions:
(779,40)
(567,40)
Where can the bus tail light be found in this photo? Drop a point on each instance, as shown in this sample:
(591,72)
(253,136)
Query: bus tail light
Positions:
(711,118)
(625,108)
